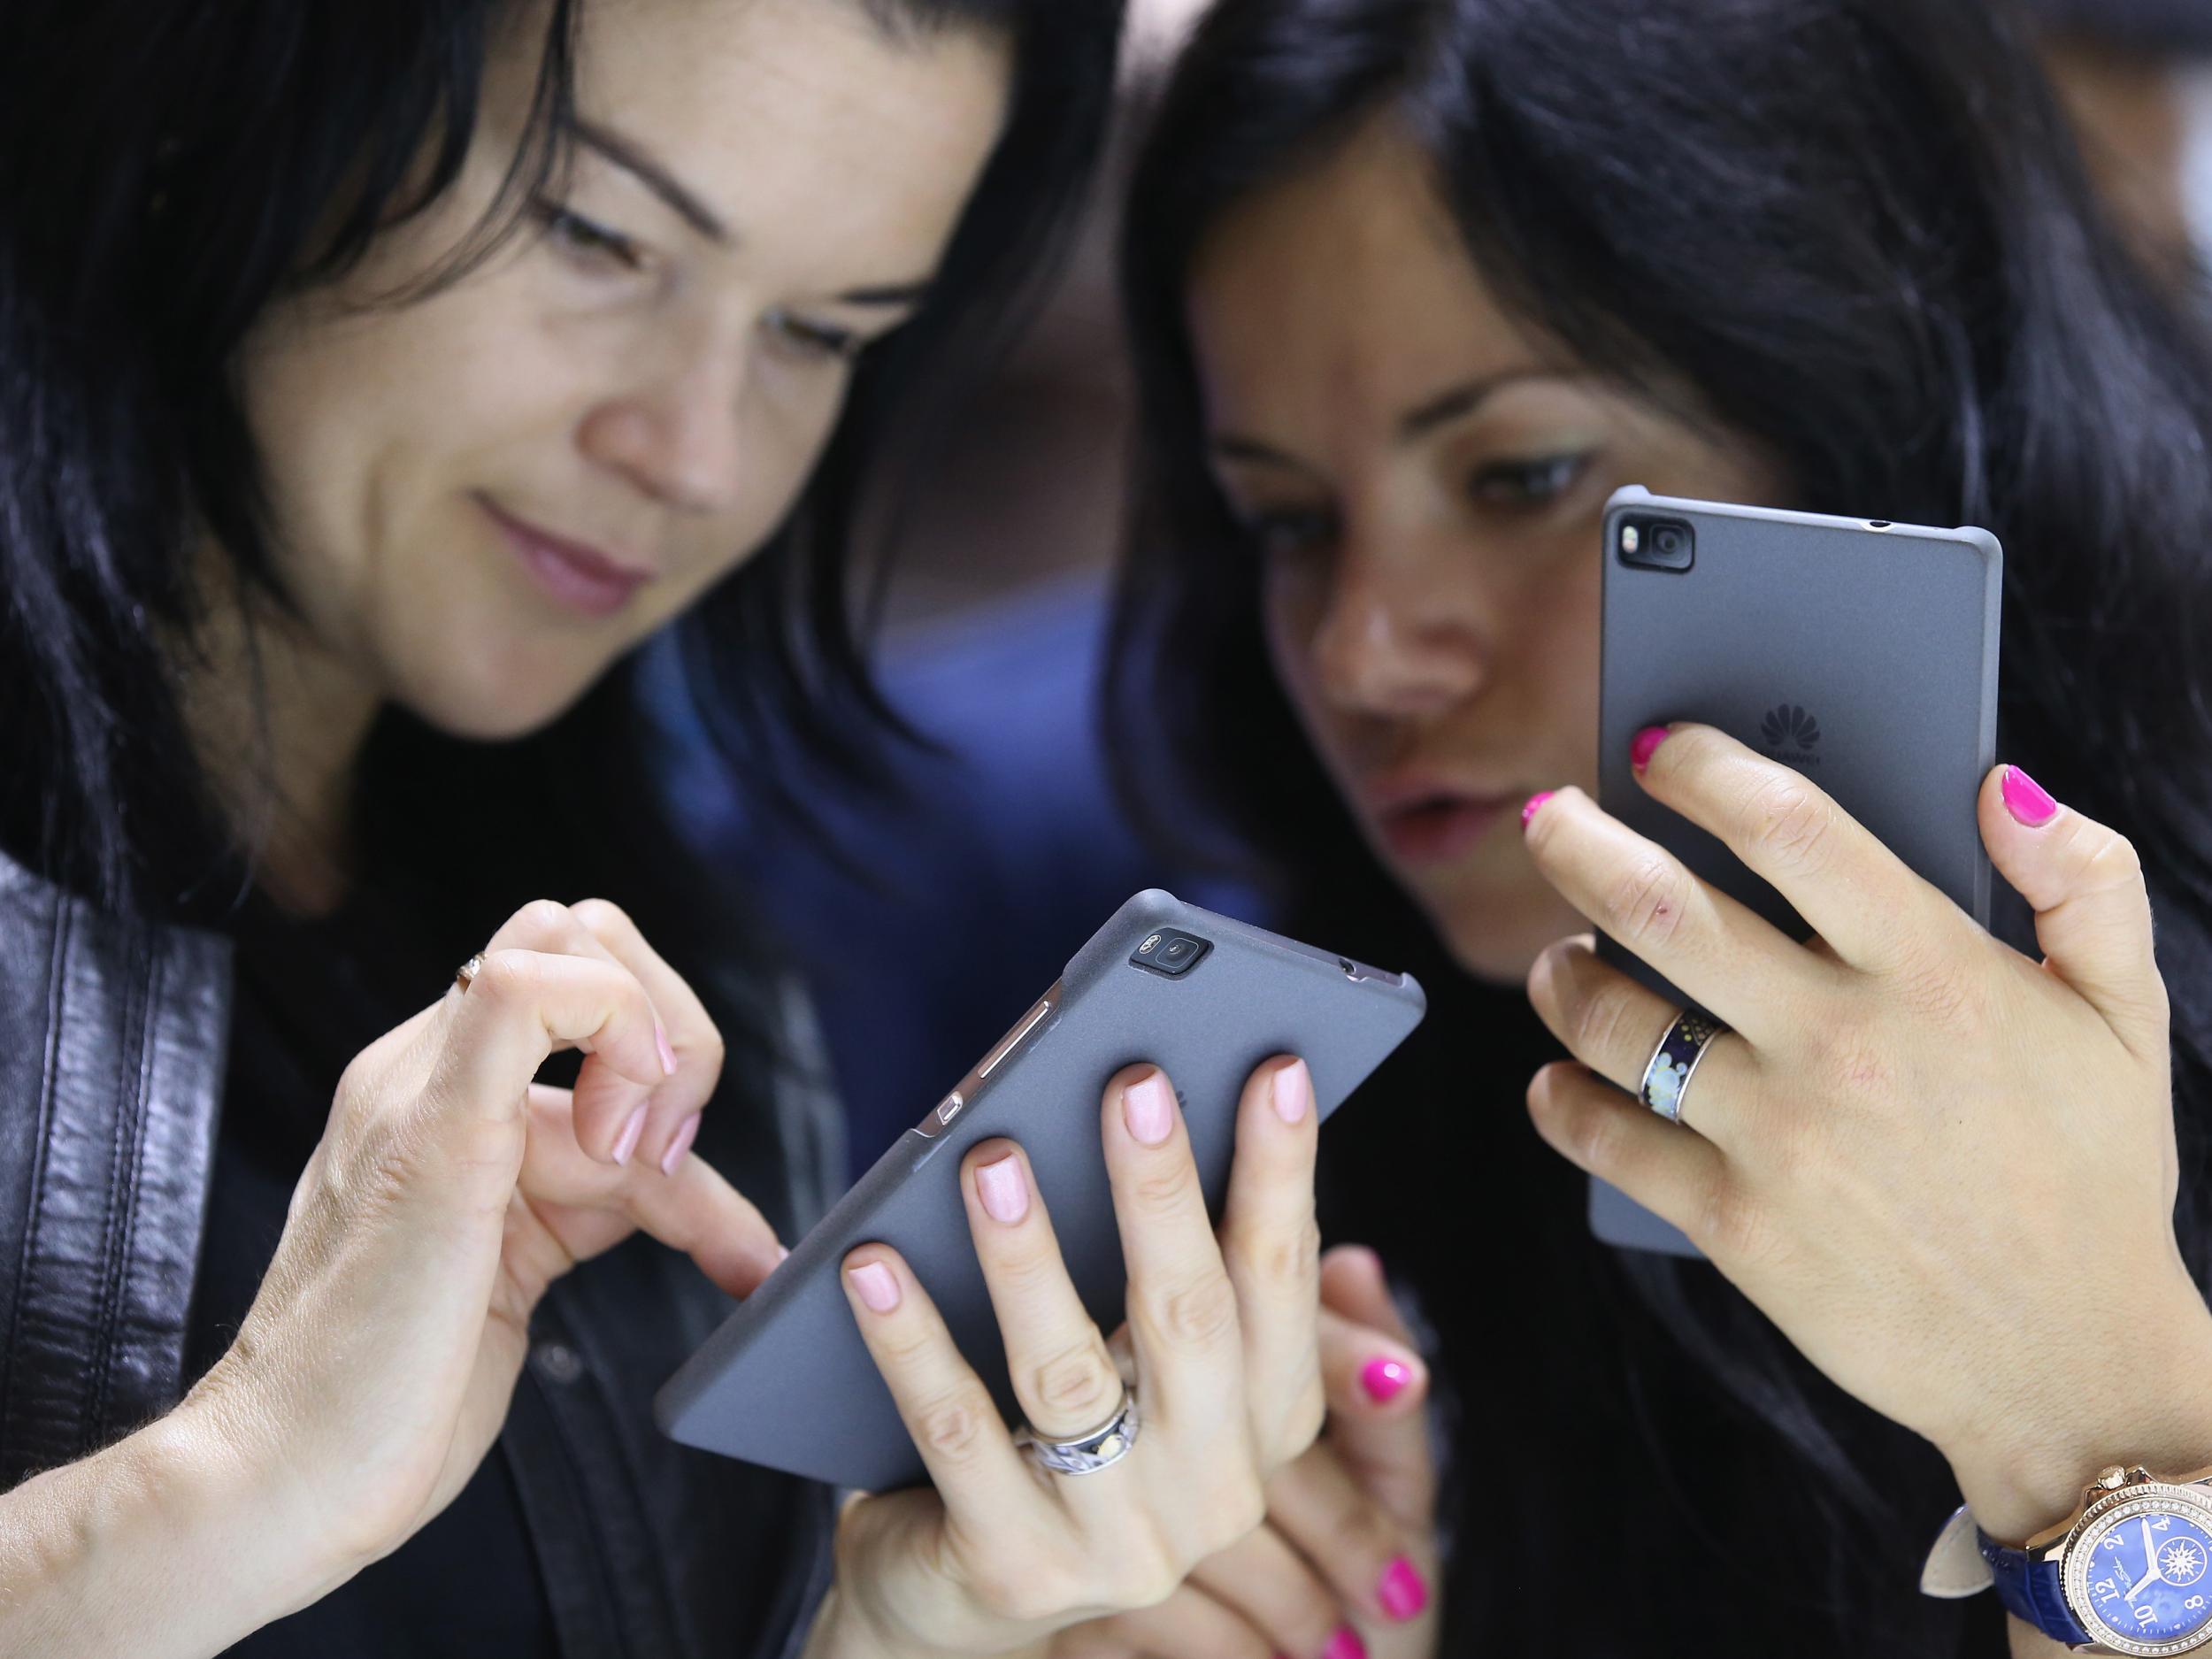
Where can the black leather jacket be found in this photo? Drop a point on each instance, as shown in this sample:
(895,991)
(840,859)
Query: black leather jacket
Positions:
(113,1042)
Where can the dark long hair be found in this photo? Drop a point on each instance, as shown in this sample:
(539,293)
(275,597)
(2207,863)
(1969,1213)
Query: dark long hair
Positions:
(1859,229)
(169,168)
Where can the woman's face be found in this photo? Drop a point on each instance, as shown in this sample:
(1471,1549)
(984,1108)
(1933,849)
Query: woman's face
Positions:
(1426,487)
(483,498)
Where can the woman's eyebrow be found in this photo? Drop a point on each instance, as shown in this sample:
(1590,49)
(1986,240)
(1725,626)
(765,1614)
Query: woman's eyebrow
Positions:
(641,164)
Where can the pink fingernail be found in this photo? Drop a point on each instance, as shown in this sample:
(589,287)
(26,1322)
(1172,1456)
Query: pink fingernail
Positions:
(1535,803)
(626,1143)
(1403,1592)
(1385,1378)
(687,1133)
(668,1052)
(1644,745)
(1345,1644)
(1147,1110)
(877,1286)
(1293,1092)
(2028,801)
(1005,1194)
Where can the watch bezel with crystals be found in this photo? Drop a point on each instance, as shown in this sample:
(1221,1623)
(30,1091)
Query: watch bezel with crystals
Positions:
(2119,1496)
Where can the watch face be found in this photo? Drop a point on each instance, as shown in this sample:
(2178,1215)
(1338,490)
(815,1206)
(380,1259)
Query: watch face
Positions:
(2140,1575)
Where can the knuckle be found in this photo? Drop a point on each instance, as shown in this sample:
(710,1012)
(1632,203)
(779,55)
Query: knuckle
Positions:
(1791,824)
(543,918)
(1022,1588)
(1157,1193)
(953,1428)
(1731,1226)
(1200,1313)
(1277,1259)
(1078,1386)
(1143,1575)
(2114,865)
(1645,904)
(1610,1023)
(1601,1137)
(603,916)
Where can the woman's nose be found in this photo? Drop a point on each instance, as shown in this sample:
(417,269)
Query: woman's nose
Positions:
(677,440)
(1393,643)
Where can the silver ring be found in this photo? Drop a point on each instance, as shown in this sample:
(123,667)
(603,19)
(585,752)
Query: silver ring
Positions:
(1087,1453)
(468,971)
(1673,1063)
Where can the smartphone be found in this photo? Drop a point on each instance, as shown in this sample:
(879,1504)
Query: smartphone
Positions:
(787,1382)
(1859,652)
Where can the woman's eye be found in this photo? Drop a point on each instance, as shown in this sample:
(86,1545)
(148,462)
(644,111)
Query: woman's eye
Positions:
(1290,532)
(1526,483)
(587,240)
(822,341)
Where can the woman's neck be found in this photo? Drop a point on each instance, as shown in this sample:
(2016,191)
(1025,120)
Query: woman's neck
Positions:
(282,753)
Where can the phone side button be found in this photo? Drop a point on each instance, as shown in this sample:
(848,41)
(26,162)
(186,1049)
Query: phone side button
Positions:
(941,1115)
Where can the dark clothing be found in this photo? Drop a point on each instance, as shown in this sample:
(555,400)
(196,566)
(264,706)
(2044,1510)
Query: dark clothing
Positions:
(141,1196)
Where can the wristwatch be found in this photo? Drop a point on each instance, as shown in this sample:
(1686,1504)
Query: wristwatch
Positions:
(2129,1571)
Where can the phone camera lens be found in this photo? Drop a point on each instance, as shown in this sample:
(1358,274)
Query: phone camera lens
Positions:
(1657,544)
(1169,953)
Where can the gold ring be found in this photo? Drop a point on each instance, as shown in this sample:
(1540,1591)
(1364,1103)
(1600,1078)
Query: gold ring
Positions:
(468,971)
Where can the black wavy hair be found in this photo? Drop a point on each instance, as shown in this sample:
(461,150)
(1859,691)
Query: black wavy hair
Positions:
(1860,230)
(170,167)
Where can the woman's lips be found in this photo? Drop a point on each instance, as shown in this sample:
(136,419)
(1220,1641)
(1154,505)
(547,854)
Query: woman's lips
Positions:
(570,574)
(1441,831)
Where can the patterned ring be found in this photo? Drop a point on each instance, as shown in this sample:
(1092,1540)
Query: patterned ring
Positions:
(1087,1453)
(1674,1062)
(468,971)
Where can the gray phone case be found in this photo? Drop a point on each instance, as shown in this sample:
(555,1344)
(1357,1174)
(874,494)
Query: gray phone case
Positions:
(1861,654)
(787,1382)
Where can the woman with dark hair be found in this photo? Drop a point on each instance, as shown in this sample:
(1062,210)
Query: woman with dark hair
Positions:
(1416,285)
(374,380)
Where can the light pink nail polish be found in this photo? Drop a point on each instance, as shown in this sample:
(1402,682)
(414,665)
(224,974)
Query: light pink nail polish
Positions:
(878,1287)
(1644,745)
(1345,1644)
(1147,1110)
(1293,1092)
(687,1133)
(1536,805)
(668,1052)
(1385,1378)
(2028,802)
(1404,1593)
(1005,1194)
(633,1126)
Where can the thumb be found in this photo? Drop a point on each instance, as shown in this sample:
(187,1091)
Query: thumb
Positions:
(1377,1386)
(2093,912)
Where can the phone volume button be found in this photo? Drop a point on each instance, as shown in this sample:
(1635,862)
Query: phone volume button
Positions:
(949,1108)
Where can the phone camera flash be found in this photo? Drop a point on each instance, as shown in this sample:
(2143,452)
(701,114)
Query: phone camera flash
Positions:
(1631,538)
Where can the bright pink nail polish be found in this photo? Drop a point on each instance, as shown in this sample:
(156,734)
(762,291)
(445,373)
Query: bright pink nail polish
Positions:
(668,1052)
(1644,745)
(1345,1644)
(1385,1378)
(1147,1110)
(999,1186)
(633,1126)
(1535,803)
(1403,1592)
(877,1286)
(2027,800)
(687,1133)
(1293,1092)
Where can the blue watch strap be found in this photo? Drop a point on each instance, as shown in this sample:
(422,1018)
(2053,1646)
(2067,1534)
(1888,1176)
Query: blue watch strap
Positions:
(2031,1590)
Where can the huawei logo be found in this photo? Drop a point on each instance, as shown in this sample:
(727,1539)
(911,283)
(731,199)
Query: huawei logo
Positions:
(1791,734)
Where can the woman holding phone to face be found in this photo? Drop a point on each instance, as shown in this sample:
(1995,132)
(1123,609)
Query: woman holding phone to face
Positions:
(373,382)
(1416,286)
